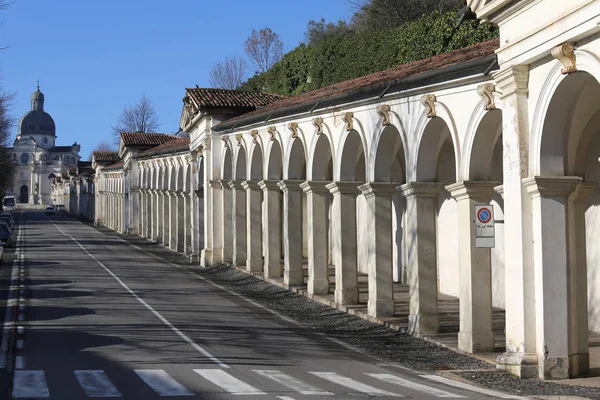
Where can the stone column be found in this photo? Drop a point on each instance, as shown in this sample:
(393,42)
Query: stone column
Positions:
(549,206)
(421,249)
(165,218)
(188,216)
(292,232)
(318,260)
(173,220)
(180,210)
(345,246)
(379,247)
(227,231)
(474,270)
(142,217)
(520,358)
(254,260)
(212,223)
(238,201)
(272,229)
(579,356)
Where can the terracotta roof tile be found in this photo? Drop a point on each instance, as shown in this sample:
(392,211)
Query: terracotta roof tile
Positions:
(105,156)
(172,146)
(415,68)
(116,165)
(230,98)
(145,139)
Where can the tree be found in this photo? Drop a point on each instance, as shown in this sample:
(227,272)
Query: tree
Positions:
(228,74)
(319,30)
(7,166)
(140,117)
(264,48)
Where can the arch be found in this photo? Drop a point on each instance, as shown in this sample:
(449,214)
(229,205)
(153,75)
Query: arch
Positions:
(24,194)
(179,172)
(240,165)
(275,162)
(227,167)
(480,145)
(256,163)
(352,163)
(297,160)
(389,158)
(172,177)
(322,159)
(553,94)
(434,140)
(163,177)
(187,177)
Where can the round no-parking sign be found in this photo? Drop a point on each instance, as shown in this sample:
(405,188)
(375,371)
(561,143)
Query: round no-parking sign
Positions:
(484,215)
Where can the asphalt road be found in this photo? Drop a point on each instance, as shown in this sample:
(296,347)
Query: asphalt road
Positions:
(101,318)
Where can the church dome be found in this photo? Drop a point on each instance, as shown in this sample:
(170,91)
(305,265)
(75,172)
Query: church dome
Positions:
(37,121)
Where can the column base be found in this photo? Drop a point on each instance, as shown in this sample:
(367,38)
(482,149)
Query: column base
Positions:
(239,260)
(579,364)
(227,254)
(206,257)
(381,307)
(553,367)
(423,323)
(476,342)
(523,365)
(318,286)
(194,258)
(346,296)
(254,265)
(273,271)
(294,277)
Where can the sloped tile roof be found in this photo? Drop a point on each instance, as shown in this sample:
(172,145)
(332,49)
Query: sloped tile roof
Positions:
(394,75)
(145,139)
(105,156)
(116,165)
(181,144)
(230,98)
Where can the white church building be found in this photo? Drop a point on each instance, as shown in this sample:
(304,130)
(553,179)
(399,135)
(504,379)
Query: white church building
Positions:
(378,192)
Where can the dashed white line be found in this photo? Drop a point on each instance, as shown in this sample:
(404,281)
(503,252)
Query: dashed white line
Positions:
(30,384)
(20,344)
(95,383)
(19,362)
(20,317)
(461,385)
(21,307)
(21,330)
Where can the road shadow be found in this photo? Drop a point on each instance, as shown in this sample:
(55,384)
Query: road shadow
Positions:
(45,313)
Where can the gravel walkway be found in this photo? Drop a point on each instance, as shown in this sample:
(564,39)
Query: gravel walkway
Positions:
(374,339)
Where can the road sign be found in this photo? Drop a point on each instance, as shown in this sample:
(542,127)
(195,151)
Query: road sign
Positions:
(485,235)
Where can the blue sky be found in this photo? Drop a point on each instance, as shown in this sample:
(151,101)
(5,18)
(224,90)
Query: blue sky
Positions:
(95,57)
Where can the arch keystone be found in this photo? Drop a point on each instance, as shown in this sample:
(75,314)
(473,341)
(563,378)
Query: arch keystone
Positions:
(254,134)
(318,123)
(272,131)
(486,92)
(348,120)
(293,127)
(565,53)
(384,113)
(428,102)
(239,137)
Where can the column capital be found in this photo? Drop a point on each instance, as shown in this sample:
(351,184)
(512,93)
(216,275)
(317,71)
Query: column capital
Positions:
(344,188)
(481,191)
(269,185)
(250,185)
(216,184)
(314,187)
(584,190)
(224,183)
(373,189)
(551,186)
(420,189)
(513,79)
(500,190)
(287,185)
(235,184)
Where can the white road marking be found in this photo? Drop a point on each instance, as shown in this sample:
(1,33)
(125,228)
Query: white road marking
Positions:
(162,383)
(293,383)
(30,384)
(20,330)
(285,398)
(95,383)
(22,307)
(352,384)
(389,378)
(227,382)
(20,317)
(152,310)
(20,344)
(19,362)
(465,386)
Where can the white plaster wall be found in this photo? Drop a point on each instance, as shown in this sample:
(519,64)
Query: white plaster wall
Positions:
(361,221)
(497,254)
(592,225)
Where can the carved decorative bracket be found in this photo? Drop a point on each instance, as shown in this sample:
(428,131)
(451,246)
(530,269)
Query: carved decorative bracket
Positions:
(254,134)
(272,130)
(428,102)
(486,92)
(206,142)
(318,123)
(384,112)
(293,127)
(225,142)
(238,137)
(348,119)
(565,53)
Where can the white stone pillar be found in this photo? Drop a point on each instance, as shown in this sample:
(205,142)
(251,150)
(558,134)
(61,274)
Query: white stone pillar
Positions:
(318,260)
(238,200)
(227,228)
(293,273)
(180,210)
(549,206)
(421,235)
(272,229)
(474,270)
(212,223)
(173,220)
(345,245)
(579,356)
(254,260)
(187,217)
(520,358)
(379,247)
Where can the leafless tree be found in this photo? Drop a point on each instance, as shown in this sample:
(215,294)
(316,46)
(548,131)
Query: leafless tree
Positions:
(7,166)
(104,146)
(228,74)
(139,117)
(264,48)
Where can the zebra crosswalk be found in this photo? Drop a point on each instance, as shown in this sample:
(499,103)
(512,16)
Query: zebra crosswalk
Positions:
(97,383)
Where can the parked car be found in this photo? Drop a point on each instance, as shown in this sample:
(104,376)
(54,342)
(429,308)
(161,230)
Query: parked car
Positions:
(5,234)
(8,219)
(61,208)
(50,210)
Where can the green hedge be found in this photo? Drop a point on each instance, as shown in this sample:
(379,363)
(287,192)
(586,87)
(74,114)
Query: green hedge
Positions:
(340,57)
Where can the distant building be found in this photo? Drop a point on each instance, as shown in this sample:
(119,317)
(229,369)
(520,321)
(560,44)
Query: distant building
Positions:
(37,157)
